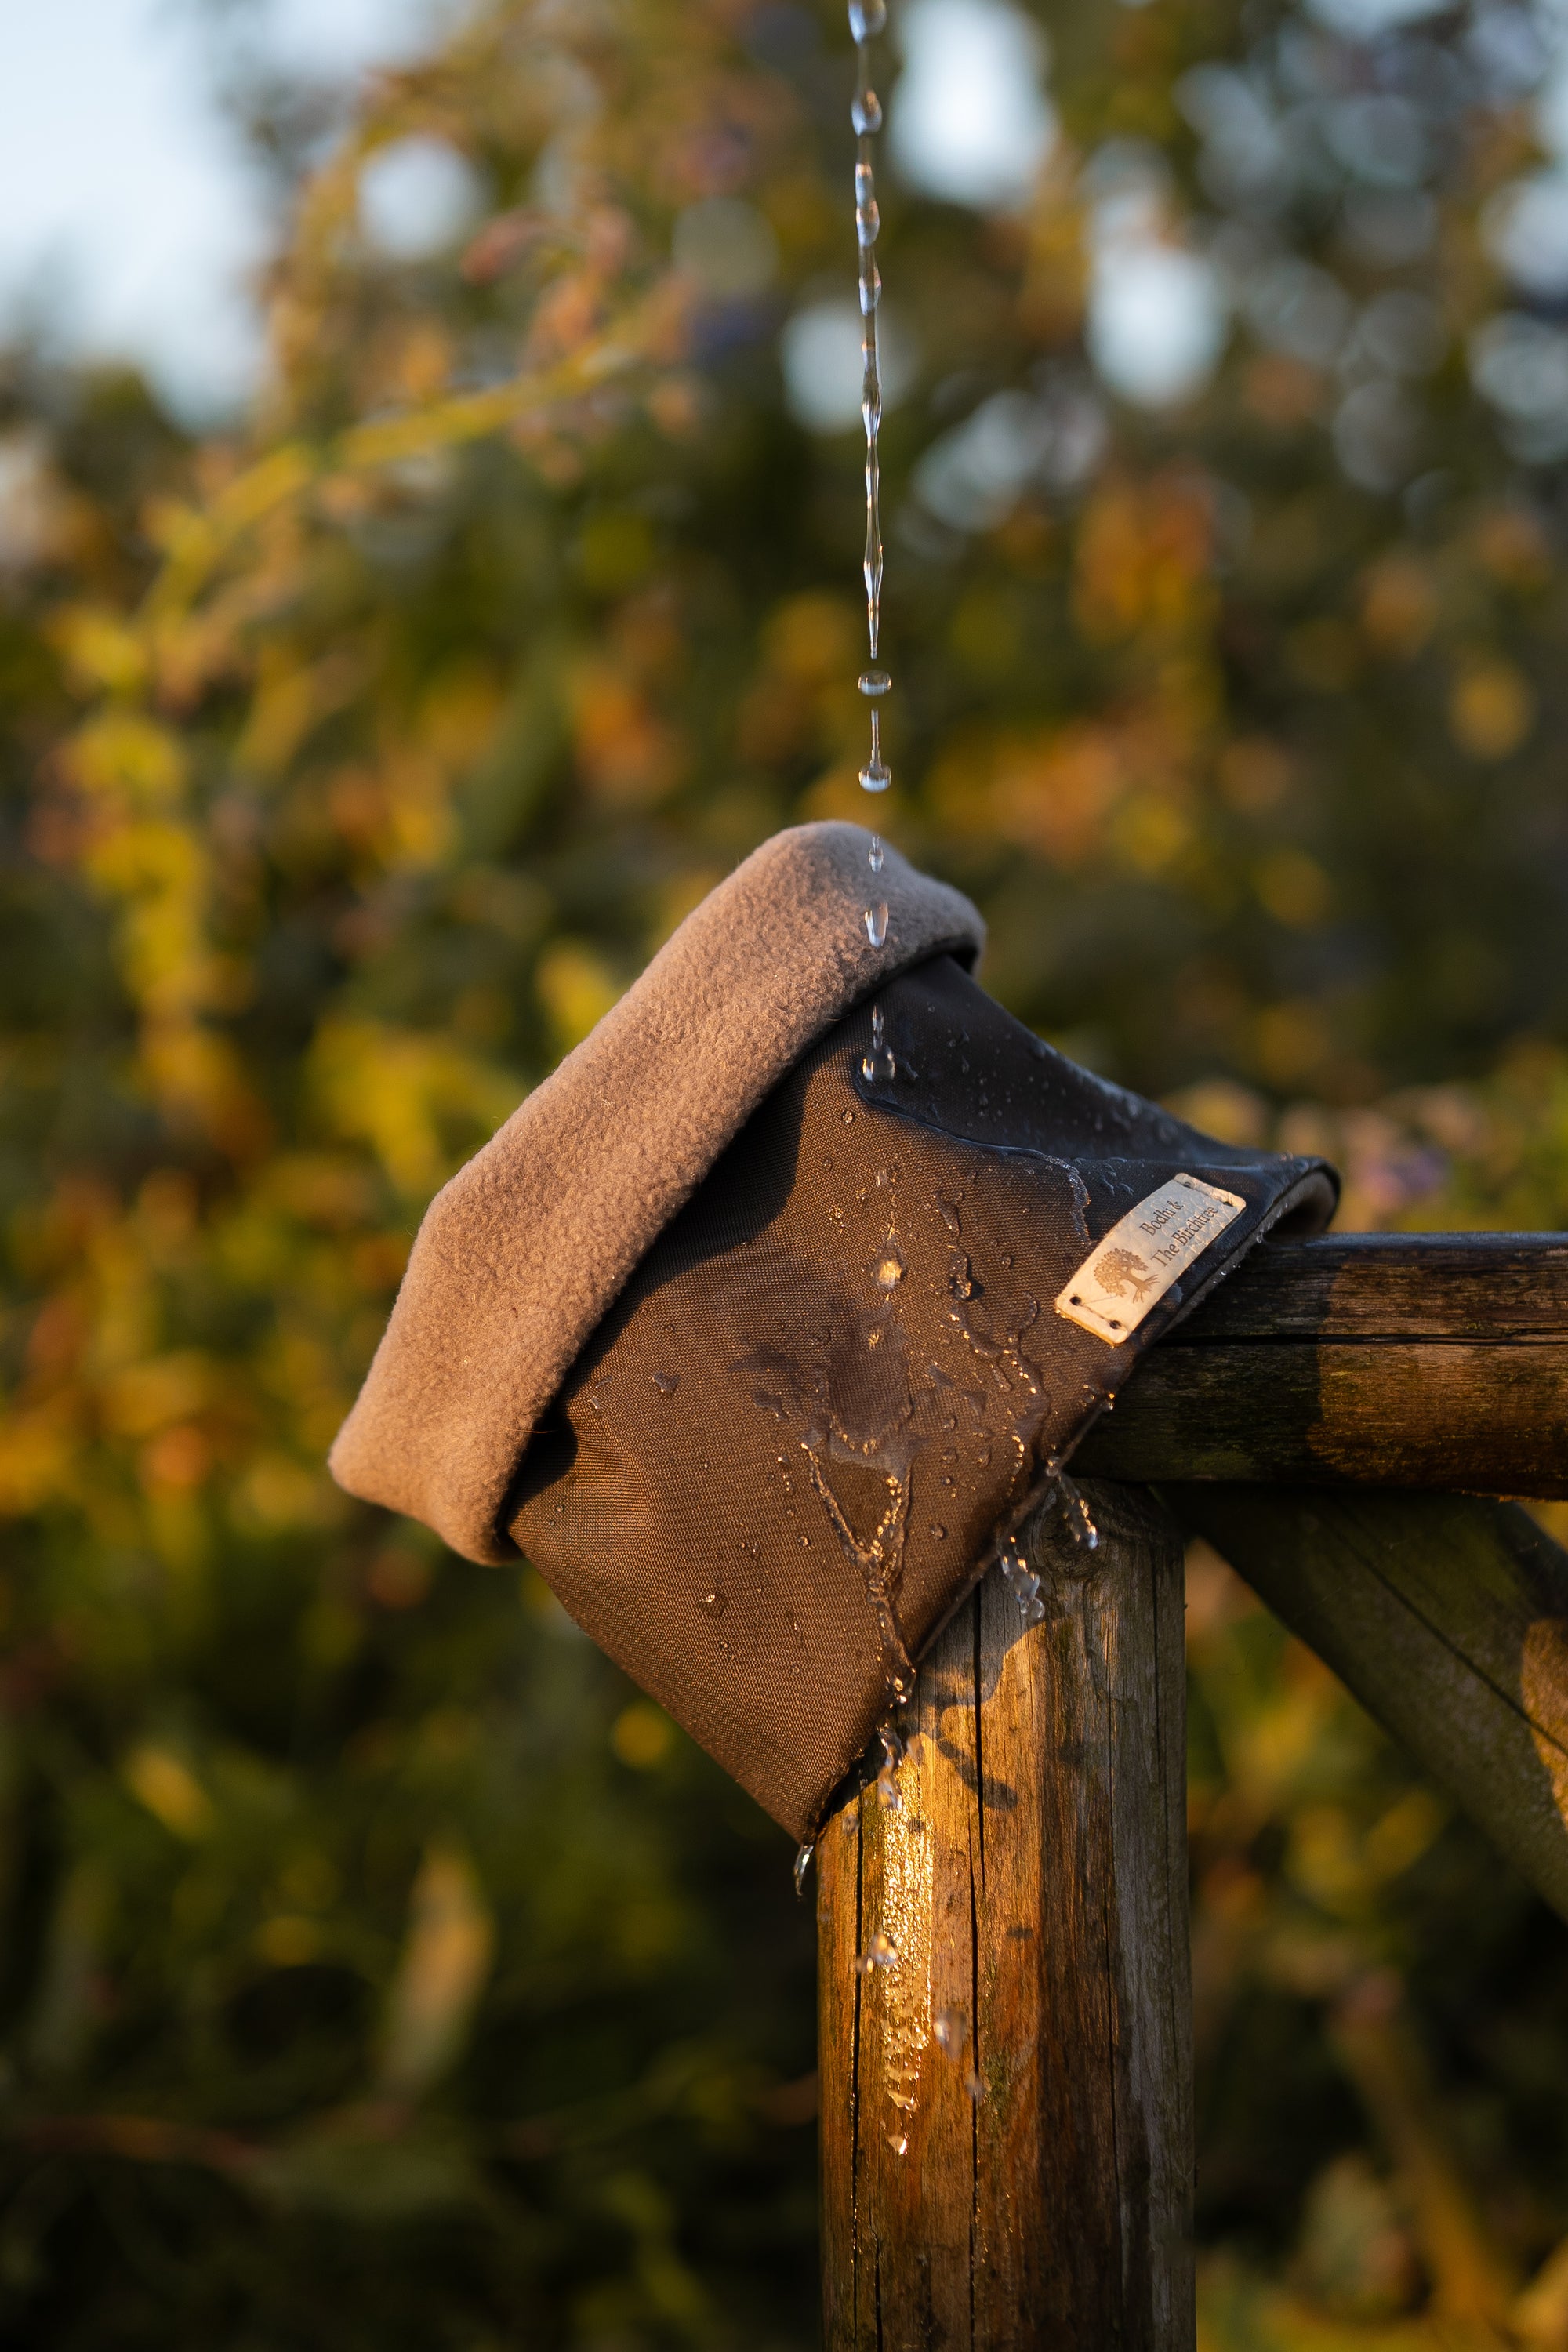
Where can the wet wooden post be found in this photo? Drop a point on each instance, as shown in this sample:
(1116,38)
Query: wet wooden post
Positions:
(1005,2027)
(1006,2099)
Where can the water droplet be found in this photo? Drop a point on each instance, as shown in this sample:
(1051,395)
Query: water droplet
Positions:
(712,1604)
(847,1116)
(948,1211)
(1023,1582)
(886,1265)
(876,776)
(876,920)
(876,855)
(873,682)
(974,2086)
(1074,1512)
(867,19)
(898,2142)
(803,1863)
(951,2031)
(882,1952)
(666,1382)
(879,1063)
(865,112)
(939,1531)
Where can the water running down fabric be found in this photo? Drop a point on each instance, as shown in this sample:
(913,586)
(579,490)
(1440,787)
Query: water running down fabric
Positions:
(524,1250)
(767,1452)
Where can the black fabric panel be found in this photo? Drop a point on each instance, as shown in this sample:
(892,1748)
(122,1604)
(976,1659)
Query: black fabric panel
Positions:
(838,1376)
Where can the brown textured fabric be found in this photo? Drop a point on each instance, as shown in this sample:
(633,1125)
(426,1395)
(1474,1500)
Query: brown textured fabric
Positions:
(839,1375)
(526,1248)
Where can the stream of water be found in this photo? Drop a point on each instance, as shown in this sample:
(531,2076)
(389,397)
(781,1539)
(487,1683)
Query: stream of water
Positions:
(867,19)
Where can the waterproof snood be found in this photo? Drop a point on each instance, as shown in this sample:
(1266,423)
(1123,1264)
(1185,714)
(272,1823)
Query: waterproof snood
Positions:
(839,1375)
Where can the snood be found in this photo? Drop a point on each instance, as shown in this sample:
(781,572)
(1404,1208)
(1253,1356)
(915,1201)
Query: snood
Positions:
(851,1352)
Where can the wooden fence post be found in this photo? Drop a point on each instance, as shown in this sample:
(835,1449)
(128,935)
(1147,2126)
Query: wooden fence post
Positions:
(1005,2012)
(1005,2030)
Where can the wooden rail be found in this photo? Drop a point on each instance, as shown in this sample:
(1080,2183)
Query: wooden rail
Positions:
(1447,1616)
(1429,1360)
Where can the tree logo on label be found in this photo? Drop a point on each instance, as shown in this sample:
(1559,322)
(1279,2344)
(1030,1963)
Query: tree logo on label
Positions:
(1118,1272)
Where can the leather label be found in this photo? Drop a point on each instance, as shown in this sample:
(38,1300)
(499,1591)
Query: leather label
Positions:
(1143,1255)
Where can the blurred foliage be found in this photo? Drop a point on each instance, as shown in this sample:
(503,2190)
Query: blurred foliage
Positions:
(379,1969)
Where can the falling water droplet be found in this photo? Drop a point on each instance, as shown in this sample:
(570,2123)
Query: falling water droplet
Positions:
(873,682)
(865,112)
(951,2029)
(712,1604)
(974,2086)
(867,19)
(666,1382)
(803,1863)
(893,1754)
(875,854)
(1023,1582)
(1071,1504)
(876,920)
(880,1063)
(882,1952)
(1091,1532)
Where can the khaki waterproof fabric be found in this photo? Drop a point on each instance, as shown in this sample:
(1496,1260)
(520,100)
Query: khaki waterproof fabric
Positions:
(526,1247)
(838,1376)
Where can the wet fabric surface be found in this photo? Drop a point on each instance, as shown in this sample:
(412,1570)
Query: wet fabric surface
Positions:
(840,1375)
(519,1258)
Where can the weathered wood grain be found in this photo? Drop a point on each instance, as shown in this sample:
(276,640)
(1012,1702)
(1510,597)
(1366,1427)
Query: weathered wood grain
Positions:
(1446,1616)
(1006,2132)
(1464,1417)
(1433,1361)
(1390,1286)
